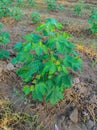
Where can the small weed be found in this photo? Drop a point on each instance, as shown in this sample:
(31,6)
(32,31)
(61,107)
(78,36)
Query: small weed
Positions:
(17,13)
(4,10)
(53,6)
(31,2)
(78,7)
(35,16)
(93,11)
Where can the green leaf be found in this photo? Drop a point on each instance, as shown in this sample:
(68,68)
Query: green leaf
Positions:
(41,27)
(38,50)
(53,69)
(18,46)
(14,61)
(4,54)
(28,70)
(32,37)
(46,67)
(4,37)
(73,62)
(39,91)
(26,89)
(55,96)
(49,67)
(52,21)
(65,70)
(67,81)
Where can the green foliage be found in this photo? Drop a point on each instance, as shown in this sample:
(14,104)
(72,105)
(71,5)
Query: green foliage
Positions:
(5,1)
(31,2)
(93,21)
(46,58)
(93,11)
(78,7)
(52,5)
(1,25)
(4,10)
(19,3)
(35,16)
(60,7)
(17,13)
(4,39)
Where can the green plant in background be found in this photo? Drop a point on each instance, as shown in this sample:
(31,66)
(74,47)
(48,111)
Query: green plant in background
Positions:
(17,13)
(93,11)
(78,7)
(4,10)
(35,16)
(6,1)
(52,5)
(46,57)
(20,3)
(60,7)
(31,2)
(93,21)
(1,25)
(4,39)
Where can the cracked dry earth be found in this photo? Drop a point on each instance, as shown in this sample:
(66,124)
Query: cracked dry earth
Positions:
(78,111)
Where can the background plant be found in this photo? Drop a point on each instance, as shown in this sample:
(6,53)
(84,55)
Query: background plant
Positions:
(4,9)
(35,16)
(31,2)
(17,13)
(93,21)
(78,7)
(46,58)
(52,5)
(4,39)
(19,3)
(93,11)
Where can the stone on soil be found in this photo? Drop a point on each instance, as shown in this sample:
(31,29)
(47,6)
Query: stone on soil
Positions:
(74,116)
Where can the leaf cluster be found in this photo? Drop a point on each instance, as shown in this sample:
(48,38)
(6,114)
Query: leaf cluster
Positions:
(17,13)
(4,9)
(78,7)
(35,17)
(31,2)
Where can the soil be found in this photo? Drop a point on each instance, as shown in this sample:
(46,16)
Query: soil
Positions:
(78,110)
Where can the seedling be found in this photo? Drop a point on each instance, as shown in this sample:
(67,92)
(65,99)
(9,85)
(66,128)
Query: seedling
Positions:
(78,7)
(17,13)
(53,6)
(93,21)
(93,11)
(46,58)
(4,10)
(35,16)
(31,2)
